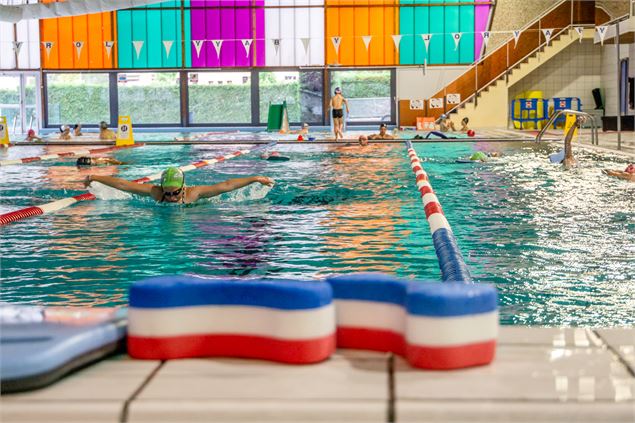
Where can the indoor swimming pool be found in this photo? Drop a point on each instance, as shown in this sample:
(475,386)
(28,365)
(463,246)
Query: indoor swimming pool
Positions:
(557,244)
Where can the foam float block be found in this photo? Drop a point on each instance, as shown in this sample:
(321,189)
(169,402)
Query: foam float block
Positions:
(370,310)
(183,317)
(450,325)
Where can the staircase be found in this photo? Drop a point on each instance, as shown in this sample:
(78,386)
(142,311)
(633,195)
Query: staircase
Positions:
(490,106)
(484,87)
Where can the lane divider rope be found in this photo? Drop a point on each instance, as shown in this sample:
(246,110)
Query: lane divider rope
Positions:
(451,262)
(54,206)
(65,154)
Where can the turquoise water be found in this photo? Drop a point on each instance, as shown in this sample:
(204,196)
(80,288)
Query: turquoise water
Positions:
(558,245)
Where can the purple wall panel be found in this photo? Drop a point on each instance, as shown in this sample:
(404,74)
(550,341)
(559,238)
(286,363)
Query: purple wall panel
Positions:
(228,34)
(260,33)
(481,17)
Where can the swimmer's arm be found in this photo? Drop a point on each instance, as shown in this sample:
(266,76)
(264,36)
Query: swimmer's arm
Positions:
(346,102)
(121,184)
(206,191)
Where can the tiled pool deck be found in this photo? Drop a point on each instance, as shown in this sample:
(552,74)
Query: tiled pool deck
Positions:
(539,375)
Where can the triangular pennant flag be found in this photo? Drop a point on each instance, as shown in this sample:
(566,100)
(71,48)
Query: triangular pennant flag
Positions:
(548,33)
(138,45)
(17,46)
(78,47)
(276,45)
(48,45)
(426,40)
(168,47)
(456,36)
(336,43)
(397,40)
(367,39)
(306,42)
(485,35)
(218,44)
(580,31)
(198,45)
(602,32)
(108,45)
(516,37)
(247,44)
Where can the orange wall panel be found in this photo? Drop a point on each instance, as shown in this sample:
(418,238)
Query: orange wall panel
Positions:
(377,18)
(92,30)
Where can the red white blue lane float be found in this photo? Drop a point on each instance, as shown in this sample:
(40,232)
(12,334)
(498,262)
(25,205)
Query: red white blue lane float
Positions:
(451,262)
(54,206)
(432,325)
(180,316)
(65,154)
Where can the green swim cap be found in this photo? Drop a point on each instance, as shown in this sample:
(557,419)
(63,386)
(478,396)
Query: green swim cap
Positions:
(172,177)
(479,155)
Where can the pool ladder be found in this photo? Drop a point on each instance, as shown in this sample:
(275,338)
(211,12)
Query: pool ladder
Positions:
(591,118)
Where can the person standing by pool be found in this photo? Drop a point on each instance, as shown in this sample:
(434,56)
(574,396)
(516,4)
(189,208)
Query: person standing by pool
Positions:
(172,188)
(337,105)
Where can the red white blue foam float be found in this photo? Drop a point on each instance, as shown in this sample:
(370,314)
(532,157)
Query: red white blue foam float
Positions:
(66,154)
(451,262)
(54,206)
(178,316)
(432,325)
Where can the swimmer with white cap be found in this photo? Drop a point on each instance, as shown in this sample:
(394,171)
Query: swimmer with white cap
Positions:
(173,189)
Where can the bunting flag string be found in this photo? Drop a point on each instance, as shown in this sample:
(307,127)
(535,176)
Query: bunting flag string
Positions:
(306,41)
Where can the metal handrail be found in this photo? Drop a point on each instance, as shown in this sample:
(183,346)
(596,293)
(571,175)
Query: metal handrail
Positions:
(594,127)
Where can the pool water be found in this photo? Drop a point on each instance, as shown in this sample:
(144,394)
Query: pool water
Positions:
(559,245)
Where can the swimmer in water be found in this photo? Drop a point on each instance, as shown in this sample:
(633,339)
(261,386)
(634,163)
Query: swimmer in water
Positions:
(383,134)
(31,136)
(274,156)
(172,188)
(363,140)
(105,133)
(480,156)
(569,161)
(628,174)
(95,161)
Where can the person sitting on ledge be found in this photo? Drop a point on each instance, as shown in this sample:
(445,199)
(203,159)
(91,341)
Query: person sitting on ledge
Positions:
(383,134)
(105,133)
(445,124)
(172,188)
(77,130)
(628,174)
(464,123)
(65,132)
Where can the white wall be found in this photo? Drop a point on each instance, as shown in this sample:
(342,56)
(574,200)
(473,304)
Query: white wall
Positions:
(412,84)
(573,73)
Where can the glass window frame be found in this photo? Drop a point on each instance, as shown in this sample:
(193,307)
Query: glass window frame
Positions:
(112,92)
(114,98)
(254,89)
(393,94)
(321,122)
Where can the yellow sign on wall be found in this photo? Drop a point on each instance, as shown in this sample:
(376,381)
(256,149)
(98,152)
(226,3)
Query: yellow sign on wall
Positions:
(4,131)
(568,124)
(124,131)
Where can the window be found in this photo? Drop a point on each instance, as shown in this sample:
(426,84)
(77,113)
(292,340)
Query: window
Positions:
(150,98)
(368,94)
(220,98)
(77,98)
(10,100)
(301,90)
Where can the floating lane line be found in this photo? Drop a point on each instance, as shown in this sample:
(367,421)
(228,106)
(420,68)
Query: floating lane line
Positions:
(54,206)
(75,153)
(451,262)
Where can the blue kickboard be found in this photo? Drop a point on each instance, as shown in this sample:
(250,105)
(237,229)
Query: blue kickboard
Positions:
(557,157)
(38,345)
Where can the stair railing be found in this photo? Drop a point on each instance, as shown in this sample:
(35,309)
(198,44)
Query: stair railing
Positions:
(501,61)
(594,127)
